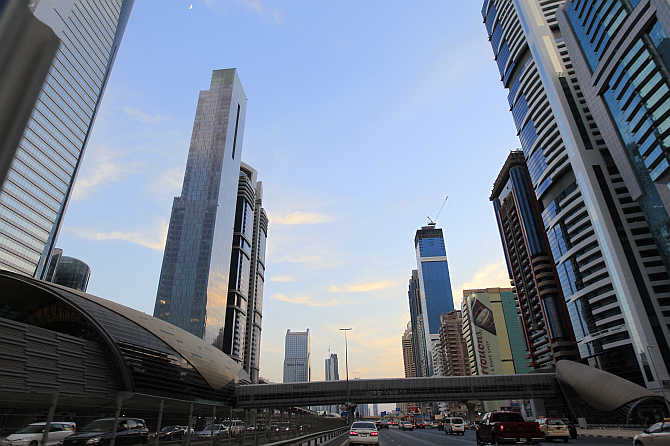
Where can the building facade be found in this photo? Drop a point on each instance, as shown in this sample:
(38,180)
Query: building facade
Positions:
(332,368)
(453,349)
(589,215)
(621,57)
(193,285)
(67,271)
(297,361)
(530,264)
(434,288)
(419,349)
(241,339)
(408,352)
(39,182)
(489,333)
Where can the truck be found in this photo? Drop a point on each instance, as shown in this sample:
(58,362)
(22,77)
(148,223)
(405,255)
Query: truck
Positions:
(419,422)
(501,427)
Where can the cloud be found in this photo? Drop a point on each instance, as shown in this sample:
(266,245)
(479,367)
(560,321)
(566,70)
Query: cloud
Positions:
(141,116)
(282,279)
(300,259)
(490,276)
(167,183)
(102,167)
(155,241)
(363,287)
(301,218)
(305,300)
(257,7)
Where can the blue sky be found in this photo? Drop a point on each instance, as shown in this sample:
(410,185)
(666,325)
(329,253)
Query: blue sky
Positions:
(361,117)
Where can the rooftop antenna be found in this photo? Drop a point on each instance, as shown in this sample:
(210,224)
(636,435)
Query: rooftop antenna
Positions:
(433,222)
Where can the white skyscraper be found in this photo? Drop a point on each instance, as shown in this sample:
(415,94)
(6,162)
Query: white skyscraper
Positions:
(297,366)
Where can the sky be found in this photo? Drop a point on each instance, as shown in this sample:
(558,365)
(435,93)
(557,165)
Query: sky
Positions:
(361,118)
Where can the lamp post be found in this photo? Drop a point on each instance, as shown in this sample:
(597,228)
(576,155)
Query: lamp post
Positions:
(346,361)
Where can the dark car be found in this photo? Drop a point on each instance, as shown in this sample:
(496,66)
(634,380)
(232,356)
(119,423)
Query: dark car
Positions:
(507,427)
(381,424)
(172,433)
(129,431)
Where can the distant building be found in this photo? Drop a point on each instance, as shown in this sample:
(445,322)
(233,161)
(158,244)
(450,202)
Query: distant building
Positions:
(454,351)
(375,410)
(434,286)
(419,349)
(68,271)
(332,370)
(194,280)
(363,410)
(408,352)
(297,365)
(494,342)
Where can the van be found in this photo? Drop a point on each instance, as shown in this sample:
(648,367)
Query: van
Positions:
(454,425)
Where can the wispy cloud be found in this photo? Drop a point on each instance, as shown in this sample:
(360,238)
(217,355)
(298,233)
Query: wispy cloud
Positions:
(167,183)
(282,279)
(300,259)
(142,116)
(301,218)
(306,300)
(155,240)
(490,276)
(363,287)
(104,166)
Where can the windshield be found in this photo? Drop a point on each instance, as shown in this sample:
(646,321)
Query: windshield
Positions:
(506,417)
(361,425)
(31,429)
(99,426)
(457,420)
(555,422)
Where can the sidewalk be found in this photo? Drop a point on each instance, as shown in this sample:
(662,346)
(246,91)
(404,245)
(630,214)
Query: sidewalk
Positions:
(608,433)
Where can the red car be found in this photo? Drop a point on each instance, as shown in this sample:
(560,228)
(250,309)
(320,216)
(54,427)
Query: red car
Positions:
(507,427)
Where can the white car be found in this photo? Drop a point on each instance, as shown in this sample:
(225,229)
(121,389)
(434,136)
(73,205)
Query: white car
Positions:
(554,428)
(212,430)
(363,432)
(656,434)
(454,425)
(31,435)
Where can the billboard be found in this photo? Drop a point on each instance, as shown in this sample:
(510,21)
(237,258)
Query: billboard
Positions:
(485,334)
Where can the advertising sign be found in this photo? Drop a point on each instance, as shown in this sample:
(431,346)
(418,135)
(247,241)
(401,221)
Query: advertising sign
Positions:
(485,335)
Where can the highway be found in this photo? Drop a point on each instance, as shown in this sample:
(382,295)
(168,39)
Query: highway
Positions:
(428,437)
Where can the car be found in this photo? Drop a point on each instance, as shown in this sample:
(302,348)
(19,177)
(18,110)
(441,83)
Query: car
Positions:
(281,427)
(363,432)
(656,434)
(554,429)
(406,426)
(236,427)
(173,432)
(454,426)
(381,424)
(212,430)
(31,435)
(434,425)
(502,427)
(100,431)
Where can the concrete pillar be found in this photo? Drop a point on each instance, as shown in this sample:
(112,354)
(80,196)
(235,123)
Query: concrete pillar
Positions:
(159,422)
(190,422)
(117,414)
(50,418)
(211,431)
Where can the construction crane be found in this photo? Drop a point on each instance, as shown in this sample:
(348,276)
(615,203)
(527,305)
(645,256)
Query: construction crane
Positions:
(432,222)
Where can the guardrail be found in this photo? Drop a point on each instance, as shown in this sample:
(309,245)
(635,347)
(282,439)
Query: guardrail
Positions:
(312,439)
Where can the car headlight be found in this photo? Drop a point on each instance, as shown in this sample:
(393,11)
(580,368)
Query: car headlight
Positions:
(94,440)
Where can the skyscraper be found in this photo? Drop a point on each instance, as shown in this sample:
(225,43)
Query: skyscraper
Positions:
(297,361)
(530,263)
(332,368)
(242,330)
(193,285)
(452,344)
(434,285)
(622,66)
(408,352)
(67,271)
(419,349)
(35,193)
(611,273)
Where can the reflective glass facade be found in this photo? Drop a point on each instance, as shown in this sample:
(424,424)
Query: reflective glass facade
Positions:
(297,357)
(35,194)
(417,330)
(194,281)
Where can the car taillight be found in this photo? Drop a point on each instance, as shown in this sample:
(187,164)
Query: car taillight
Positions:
(501,427)
(353,433)
(374,434)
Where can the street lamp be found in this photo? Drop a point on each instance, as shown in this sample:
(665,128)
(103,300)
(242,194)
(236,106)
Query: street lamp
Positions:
(346,361)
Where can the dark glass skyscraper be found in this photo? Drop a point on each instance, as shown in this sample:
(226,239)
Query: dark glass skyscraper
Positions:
(530,263)
(418,335)
(36,191)
(68,271)
(434,286)
(193,285)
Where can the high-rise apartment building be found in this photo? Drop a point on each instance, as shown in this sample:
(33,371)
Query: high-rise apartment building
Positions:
(375,410)
(419,349)
(241,339)
(67,271)
(621,57)
(595,229)
(297,361)
(492,333)
(530,263)
(38,185)
(434,287)
(332,368)
(453,349)
(408,352)
(193,285)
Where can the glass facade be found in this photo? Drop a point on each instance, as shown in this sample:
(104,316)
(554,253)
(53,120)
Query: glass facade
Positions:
(35,194)
(297,361)
(417,331)
(437,288)
(72,273)
(193,288)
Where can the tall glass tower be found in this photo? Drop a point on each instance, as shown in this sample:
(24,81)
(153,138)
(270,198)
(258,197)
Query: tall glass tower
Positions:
(434,285)
(297,360)
(193,285)
(35,194)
